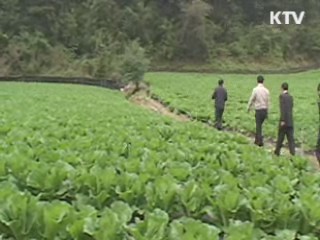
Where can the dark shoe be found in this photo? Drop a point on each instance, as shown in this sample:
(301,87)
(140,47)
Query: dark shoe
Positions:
(218,127)
(259,144)
(318,156)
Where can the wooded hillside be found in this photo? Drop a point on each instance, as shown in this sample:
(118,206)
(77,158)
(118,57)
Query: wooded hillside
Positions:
(89,36)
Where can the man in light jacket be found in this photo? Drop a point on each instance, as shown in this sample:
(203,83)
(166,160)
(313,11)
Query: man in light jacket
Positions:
(260,100)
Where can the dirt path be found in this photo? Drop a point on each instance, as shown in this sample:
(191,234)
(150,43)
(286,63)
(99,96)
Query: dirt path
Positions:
(144,101)
(150,103)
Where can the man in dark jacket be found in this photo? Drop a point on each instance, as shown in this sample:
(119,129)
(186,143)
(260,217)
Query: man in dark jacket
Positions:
(318,142)
(220,96)
(286,121)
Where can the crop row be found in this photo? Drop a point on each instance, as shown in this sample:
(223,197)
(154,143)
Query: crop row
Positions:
(82,163)
(191,94)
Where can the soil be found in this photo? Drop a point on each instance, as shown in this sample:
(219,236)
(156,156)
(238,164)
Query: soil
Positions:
(143,99)
(147,102)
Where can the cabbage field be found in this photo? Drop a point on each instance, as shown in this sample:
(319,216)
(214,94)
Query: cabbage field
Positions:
(191,94)
(83,163)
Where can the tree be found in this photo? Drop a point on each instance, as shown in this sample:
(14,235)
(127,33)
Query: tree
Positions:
(134,63)
(193,40)
(94,32)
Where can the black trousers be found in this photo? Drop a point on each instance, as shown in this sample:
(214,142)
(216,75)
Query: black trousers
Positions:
(261,115)
(219,114)
(318,146)
(282,132)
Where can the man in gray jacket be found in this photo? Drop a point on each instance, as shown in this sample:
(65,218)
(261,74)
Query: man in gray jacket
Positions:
(220,96)
(286,121)
(260,100)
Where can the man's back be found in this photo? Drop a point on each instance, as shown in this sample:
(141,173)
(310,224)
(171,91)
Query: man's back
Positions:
(286,107)
(286,128)
(220,96)
(262,97)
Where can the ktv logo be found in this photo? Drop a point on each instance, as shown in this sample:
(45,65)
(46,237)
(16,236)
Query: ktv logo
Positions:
(286,17)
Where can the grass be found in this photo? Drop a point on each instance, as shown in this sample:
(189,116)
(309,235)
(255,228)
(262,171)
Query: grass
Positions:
(191,93)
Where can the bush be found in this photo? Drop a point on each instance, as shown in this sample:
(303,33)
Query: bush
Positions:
(106,65)
(134,63)
(32,54)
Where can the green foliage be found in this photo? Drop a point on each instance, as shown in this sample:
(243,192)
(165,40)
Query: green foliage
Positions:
(308,41)
(189,32)
(106,65)
(134,63)
(194,31)
(191,93)
(62,177)
(32,54)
